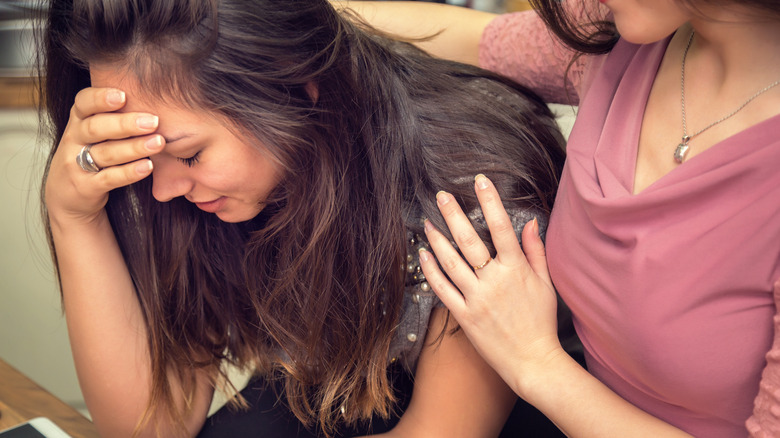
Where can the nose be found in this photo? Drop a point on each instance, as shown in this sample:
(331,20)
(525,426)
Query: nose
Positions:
(169,179)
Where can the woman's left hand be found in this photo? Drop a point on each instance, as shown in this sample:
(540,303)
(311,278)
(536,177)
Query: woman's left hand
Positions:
(505,304)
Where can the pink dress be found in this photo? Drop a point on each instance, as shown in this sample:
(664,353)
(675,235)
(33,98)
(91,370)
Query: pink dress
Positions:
(671,289)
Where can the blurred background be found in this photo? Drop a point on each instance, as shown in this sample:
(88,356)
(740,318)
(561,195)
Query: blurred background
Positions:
(33,337)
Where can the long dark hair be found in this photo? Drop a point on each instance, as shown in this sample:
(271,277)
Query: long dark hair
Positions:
(594,34)
(309,291)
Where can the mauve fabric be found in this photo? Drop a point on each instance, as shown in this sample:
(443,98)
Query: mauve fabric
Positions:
(671,288)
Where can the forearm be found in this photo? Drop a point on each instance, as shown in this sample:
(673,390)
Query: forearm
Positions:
(581,405)
(106,327)
(455,31)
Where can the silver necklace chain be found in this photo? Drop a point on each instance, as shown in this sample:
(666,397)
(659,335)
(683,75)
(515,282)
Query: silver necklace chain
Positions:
(682,148)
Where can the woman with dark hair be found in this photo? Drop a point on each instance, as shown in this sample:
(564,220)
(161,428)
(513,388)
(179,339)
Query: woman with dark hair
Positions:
(293,157)
(665,235)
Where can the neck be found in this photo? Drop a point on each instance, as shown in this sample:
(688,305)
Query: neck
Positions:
(735,47)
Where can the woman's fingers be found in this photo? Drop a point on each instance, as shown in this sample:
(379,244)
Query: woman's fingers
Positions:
(449,294)
(116,138)
(534,250)
(91,101)
(450,260)
(114,126)
(113,153)
(500,225)
(120,176)
(120,144)
(94,118)
(463,232)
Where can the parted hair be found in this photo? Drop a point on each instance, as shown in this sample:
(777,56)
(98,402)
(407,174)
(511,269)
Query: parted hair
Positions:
(310,290)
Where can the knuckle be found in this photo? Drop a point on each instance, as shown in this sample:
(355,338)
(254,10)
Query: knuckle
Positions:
(91,127)
(128,123)
(74,113)
(104,154)
(82,96)
(503,225)
(450,210)
(468,239)
(84,99)
(438,284)
(449,263)
(489,198)
(129,175)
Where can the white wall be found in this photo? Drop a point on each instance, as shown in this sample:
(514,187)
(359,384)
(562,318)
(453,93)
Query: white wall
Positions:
(33,335)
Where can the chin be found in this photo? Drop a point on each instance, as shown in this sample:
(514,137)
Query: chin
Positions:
(644,35)
(234,217)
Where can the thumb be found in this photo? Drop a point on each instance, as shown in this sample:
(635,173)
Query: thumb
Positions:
(533,247)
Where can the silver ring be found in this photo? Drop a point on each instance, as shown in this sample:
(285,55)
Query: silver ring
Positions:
(85,161)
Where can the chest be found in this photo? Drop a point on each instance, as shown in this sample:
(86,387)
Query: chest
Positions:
(699,105)
(674,310)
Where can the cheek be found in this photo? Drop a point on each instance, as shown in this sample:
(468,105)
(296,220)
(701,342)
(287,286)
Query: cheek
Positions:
(264,185)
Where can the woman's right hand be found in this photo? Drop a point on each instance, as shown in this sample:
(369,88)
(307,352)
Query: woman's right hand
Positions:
(106,324)
(506,304)
(122,143)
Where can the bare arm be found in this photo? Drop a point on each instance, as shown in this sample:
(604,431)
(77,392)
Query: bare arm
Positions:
(507,309)
(458,30)
(105,324)
(456,393)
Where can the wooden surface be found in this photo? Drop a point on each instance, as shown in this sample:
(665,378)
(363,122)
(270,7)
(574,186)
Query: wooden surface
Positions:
(17,92)
(516,5)
(9,417)
(22,399)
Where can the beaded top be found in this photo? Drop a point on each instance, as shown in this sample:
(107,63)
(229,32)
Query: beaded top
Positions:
(420,300)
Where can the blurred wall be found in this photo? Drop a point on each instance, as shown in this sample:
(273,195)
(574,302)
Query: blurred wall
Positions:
(33,336)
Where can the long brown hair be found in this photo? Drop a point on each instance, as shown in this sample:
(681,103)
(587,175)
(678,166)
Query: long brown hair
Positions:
(310,290)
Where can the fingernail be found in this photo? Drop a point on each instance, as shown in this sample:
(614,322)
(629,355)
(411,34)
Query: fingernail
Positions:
(147,122)
(482,181)
(428,225)
(115,97)
(535,226)
(442,198)
(424,256)
(144,167)
(154,143)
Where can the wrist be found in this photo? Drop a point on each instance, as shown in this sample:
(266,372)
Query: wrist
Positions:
(537,376)
(62,223)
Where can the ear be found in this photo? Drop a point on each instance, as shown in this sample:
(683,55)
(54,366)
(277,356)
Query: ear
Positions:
(313,91)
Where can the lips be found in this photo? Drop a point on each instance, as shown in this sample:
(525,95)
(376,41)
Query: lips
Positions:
(211,206)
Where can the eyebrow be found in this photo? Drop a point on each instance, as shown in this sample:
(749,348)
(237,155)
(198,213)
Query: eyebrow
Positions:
(176,137)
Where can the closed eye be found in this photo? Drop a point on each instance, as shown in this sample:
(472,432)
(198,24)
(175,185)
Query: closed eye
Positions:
(191,161)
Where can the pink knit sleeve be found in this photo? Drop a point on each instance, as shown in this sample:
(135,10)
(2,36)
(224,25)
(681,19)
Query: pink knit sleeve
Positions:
(765,421)
(519,45)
